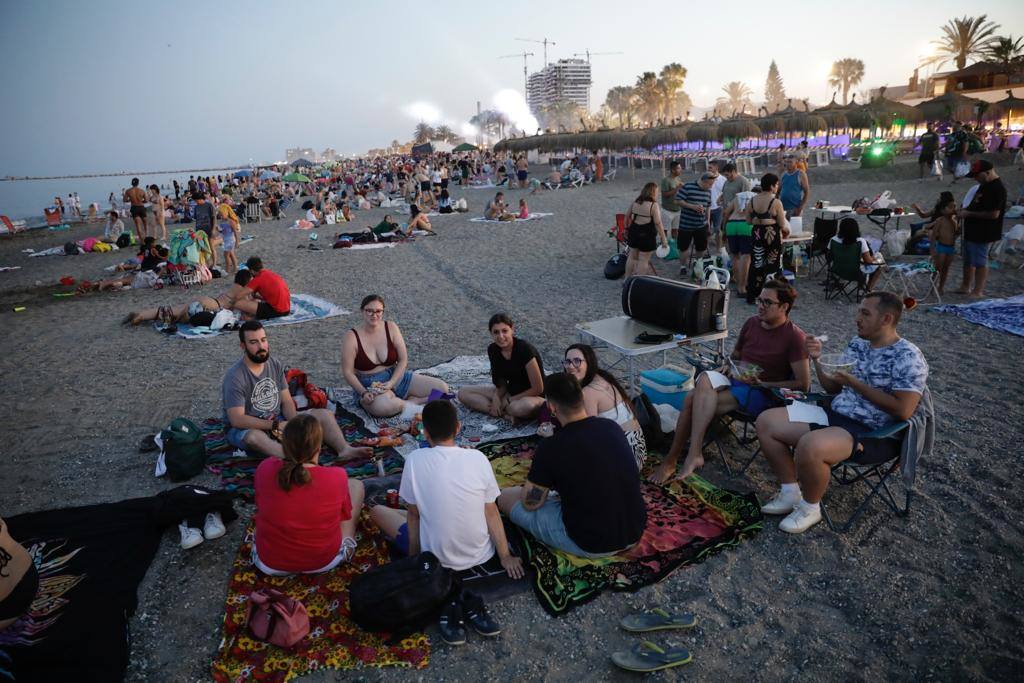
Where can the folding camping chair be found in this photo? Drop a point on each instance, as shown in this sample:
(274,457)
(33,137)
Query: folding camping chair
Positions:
(916,280)
(10,226)
(844,277)
(53,217)
(824,230)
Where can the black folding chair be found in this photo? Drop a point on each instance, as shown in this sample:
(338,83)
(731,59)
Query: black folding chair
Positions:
(824,230)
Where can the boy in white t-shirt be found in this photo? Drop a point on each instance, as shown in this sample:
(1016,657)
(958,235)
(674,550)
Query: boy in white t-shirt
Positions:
(450,492)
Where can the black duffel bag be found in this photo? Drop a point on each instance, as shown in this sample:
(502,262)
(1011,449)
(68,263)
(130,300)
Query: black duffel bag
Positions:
(616,267)
(403,596)
(673,305)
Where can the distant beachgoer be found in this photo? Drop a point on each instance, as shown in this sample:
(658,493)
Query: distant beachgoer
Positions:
(418,220)
(942,234)
(794,188)
(669,206)
(983,225)
(275,300)
(182,312)
(522,170)
(113,228)
(205,219)
(644,231)
(136,197)
(694,199)
(769,226)
(516,391)
(497,210)
(929,146)
(524,209)
(231,234)
(156,201)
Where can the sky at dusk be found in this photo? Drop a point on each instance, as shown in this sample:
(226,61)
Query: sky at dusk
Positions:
(105,86)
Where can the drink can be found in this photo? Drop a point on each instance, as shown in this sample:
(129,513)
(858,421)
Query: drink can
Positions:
(719,321)
(392,498)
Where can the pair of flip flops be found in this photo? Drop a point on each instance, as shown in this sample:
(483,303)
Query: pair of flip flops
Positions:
(646,656)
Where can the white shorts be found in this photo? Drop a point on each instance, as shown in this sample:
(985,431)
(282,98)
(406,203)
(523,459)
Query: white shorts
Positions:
(669,219)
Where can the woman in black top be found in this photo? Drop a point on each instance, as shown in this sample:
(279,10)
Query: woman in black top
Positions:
(643,231)
(517,376)
(768,228)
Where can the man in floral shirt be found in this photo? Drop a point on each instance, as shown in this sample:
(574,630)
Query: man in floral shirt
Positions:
(884,386)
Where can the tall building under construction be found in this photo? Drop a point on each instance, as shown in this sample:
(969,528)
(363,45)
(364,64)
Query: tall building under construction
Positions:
(565,80)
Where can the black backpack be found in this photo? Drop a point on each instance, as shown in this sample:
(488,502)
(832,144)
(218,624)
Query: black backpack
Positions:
(401,597)
(124,240)
(616,267)
(650,423)
(184,449)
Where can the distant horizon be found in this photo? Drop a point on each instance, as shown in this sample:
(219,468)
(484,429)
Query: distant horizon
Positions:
(157,88)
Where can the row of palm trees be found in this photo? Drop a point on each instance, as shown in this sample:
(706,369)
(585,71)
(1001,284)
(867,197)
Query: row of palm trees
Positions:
(969,38)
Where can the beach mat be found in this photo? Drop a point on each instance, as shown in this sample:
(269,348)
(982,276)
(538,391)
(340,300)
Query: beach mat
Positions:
(457,372)
(686,524)
(305,307)
(90,561)
(237,469)
(1004,315)
(533,217)
(334,641)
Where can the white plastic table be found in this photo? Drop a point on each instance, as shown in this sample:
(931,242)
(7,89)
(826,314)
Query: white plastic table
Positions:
(618,334)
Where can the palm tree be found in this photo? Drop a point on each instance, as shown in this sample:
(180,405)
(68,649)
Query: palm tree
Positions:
(620,100)
(1005,50)
(671,81)
(962,39)
(845,74)
(650,95)
(737,97)
(444,133)
(422,133)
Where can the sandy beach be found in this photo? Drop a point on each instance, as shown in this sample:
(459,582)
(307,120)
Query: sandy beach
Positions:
(936,595)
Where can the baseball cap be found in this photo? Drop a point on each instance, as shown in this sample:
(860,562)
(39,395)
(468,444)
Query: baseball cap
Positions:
(707,176)
(980,166)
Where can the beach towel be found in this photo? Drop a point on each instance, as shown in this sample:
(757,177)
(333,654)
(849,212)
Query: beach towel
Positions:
(305,307)
(91,561)
(533,217)
(52,251)
(6,268)
(458,372)
(686,524)
(236,469)
(1005,315)
(334,641)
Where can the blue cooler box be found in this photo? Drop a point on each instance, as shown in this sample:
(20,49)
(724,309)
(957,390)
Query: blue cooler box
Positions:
(669,384)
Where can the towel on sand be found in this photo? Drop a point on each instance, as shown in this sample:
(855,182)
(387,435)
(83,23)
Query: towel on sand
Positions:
(1005,315)
(533,217)
(305,307)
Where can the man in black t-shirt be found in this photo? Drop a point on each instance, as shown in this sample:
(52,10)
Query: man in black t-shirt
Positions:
(599,510)
(983,224)
(929,145)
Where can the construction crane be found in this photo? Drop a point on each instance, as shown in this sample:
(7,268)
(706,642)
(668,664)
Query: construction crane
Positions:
(524,55)
(544,42)
(588,53)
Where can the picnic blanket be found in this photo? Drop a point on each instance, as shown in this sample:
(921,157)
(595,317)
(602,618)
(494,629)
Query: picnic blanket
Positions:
(686,524)
(460,371)
(305,307)
(1005,315)
(237,469)
(532,217)
(334,641)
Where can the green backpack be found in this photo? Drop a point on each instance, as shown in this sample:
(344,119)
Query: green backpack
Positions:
(184,449)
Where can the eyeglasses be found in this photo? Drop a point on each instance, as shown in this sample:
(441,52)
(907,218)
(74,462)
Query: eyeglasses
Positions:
(373,311)
(572,362)
(766,302)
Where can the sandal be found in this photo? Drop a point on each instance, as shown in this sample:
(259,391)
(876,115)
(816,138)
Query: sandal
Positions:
(646,657)
(657,620)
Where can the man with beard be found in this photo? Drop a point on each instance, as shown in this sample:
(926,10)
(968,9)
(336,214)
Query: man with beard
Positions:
(257,404)
(884,385)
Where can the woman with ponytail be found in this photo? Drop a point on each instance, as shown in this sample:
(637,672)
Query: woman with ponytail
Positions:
(305,514)
(604,396)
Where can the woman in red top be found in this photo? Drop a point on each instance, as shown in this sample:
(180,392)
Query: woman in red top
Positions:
(305,514)
(374,362)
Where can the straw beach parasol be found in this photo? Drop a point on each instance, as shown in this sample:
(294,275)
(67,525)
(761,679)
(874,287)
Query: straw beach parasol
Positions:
(952,105)
(1004,107)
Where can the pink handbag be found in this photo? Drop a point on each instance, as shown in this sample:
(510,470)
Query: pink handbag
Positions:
(276,618)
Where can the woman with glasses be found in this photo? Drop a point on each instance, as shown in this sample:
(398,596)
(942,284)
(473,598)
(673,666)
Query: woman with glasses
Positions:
(516,392)
(374,362)
(770,352)
(604,397)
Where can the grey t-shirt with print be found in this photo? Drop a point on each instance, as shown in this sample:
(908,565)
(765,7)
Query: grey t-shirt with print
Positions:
(897,367)
(261,395)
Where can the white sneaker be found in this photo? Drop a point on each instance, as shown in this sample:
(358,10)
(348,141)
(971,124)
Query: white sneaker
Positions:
(190,537)
(781,504)
(214,527)
(800,519)
(348,549)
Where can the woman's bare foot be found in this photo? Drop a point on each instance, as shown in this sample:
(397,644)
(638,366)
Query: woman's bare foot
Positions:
(690,465)
(663,472)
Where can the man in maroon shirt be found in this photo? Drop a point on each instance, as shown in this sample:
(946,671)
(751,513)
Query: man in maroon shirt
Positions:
(274,298)
(770,352)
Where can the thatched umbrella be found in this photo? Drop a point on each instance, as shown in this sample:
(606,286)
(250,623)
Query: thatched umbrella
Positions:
(888,112)
(834,114)
(952,105)
(664,135)
(1004,107)
(739,129)
(805,123)
(705,132)
(860,116)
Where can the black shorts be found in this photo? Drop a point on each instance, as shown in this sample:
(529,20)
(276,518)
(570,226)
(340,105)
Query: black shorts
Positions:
(425,186)
(642,237)
(444,183)
(875,450)
(698,237)
(138,212)
(926,158)
(522,175)
(265,311)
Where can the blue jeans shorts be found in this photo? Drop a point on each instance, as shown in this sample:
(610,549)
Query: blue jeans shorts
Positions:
(401,389)
(236,437)
(976,254)
(546,525)
(752,400)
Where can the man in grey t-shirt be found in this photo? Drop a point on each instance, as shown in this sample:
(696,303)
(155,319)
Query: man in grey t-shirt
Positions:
(257,404)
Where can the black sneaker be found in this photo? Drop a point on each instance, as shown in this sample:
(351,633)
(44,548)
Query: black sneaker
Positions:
(478,618)
(451,627)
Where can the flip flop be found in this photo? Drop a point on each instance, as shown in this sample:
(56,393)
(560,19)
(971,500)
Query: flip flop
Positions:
(657,620)
(646,657)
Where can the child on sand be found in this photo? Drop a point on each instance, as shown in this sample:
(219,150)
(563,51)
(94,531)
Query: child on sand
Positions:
(943,231)
(524,210)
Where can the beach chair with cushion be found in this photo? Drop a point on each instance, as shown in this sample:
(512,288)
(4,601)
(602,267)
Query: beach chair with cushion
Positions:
(844,276)
(253,213)
(53,217)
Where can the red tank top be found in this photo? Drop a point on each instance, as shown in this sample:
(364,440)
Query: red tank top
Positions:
(363,363)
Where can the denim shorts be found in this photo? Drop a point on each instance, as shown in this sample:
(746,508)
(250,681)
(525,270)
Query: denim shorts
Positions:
(546,525)
(401,389)
(236,437)
(752,400)
(976,254)
(948,250)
